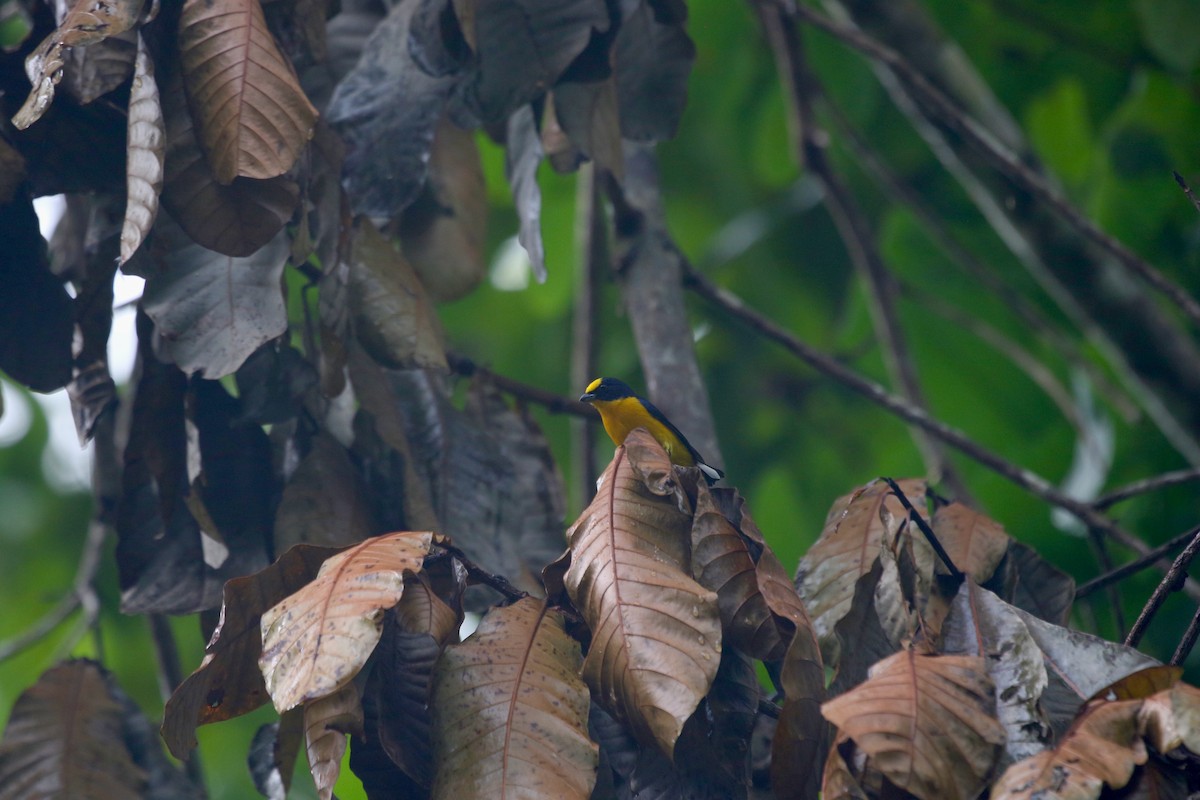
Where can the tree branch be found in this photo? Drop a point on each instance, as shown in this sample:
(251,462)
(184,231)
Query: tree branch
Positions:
(498,582)
(1171,583)
(855,230)
(591,253)
(1145,485)
(1024,478)
(1137,565)
(554,403)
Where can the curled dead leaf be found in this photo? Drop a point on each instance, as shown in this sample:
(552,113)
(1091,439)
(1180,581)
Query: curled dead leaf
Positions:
(145,149)
(327,720)
(87,21)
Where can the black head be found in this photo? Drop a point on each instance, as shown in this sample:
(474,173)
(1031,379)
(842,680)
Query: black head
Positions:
(605,390)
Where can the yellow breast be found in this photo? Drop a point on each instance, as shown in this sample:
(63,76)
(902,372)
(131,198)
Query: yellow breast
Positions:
(622,416)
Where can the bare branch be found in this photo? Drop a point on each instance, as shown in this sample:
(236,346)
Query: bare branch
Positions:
(1145,485)
(478,574)
(923,526)
(1001,157)
(554,403)
(1137,565)
(1026,479)
(1187,190)
(591,255)
(1171,583)
(853,226)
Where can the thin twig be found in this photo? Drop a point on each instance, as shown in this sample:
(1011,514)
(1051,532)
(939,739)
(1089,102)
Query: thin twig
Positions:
(1145,485)
(960,255)
(955,119)
(498,582)
(554,403)
(1171,583)
(768,708)
(82,595)
(918,518)
(1026,479)
(853,227)
(1135,566)
(1188,641)
(1187,190)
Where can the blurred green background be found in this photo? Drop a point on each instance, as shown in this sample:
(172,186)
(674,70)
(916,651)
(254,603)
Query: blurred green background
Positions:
(1108,95)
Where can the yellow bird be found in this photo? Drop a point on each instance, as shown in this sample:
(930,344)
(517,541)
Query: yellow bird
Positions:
(621,411)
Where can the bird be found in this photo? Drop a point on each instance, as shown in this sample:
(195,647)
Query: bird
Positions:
(621,410)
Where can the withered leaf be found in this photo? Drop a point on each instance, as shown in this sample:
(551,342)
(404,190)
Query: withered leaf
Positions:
(236,219)
(656,634)
(325,502)
(253,118)
(272,756)
(86,22)
(1101,749)
(652,58)
(801,733)
(228,682)
(760,609)
(846,550)
(926,722)
(522,155)
(975,543)
(212,311)
(65,738)
(327,720)
(144,160)
(510,712)
(316,640)
(93,71)
(393,317)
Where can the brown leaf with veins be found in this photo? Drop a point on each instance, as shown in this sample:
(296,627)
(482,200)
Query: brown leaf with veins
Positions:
(975,543)
(316,640)
(66,738)
(1101,749)
(846,550)
(87,22)
(656,633)
(252,116)
(327,720)
(1171,718)
(927,722)
(228,682)
(510,712)
(760,609)
(235,220)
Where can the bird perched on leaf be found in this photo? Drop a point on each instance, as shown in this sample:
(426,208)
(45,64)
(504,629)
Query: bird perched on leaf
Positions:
(621,411)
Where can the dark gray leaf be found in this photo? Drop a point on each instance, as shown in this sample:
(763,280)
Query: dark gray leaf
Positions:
(212,311)
(386,110)
(164,780)
(35,309)
(92,71)
(272,384)
(435,39)
(522,155)
(652,60)
(1033,584)
(523,47)
(861,634)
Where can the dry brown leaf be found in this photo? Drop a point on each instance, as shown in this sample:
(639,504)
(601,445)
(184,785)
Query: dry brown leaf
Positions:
(327,720)
(846,550)
(253,118)
(87,22)
(316,640)
(801,731)
(235,220)
(393,317)
(145,146)
(928,723)
(838,782)
(1171,718)
(975,543)
(1140,684)
(228,683)
(510,712)
(1101,749)
(443,231)
(66,739)
(760,609)
(656,633)
(325,501)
